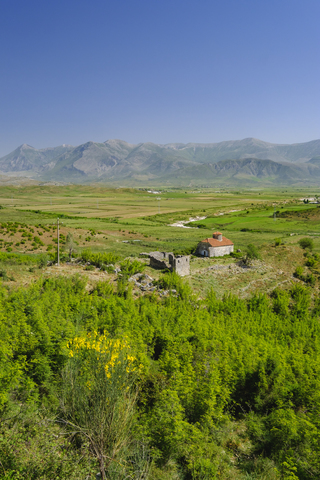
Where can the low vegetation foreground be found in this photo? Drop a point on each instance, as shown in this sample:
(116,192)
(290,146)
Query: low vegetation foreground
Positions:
(114,369)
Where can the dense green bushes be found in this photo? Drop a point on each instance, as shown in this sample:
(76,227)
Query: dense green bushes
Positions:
(226,388)
(185,250)
(16,259)
(98,259)
(130,267)
(308,278)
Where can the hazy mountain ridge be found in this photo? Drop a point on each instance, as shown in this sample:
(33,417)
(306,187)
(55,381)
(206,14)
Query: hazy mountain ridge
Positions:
(118,161)
(249,147)
(26,157)
(245,171)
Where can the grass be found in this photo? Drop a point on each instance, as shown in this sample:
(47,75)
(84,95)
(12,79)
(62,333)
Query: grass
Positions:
(127,222)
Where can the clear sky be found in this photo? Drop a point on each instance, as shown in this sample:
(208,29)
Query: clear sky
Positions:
(158,70)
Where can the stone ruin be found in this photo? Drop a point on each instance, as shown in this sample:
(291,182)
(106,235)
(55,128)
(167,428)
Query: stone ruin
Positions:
(167,260)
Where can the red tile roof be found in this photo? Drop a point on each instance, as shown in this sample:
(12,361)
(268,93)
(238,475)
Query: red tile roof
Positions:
(216,243)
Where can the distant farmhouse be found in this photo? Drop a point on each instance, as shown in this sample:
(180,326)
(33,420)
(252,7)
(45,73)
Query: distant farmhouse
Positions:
(164,260)
(217,246)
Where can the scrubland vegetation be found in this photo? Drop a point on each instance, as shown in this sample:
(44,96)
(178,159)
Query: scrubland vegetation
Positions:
(195,388)
(207,377)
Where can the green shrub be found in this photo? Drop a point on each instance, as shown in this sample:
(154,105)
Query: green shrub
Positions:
(43,260)
(129,267)
(16,259)
(306,243)
(311,262)
(172,281)
(107,268)
(90,268)
(310,279)
(199,225)
(31,447)
(298,273)
(277,242)
(98,259)
(4,275)
(252,253)
(185,250)
(236,254)
(103,289)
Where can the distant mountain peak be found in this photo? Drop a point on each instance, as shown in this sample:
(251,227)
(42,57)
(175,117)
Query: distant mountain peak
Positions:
(25,145)
(116,160)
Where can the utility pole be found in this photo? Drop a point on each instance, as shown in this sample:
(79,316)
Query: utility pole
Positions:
(58,242)
(159,204)
(58,239)
(274,213)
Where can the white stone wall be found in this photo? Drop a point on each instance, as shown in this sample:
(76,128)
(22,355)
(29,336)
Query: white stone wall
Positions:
(220,251)
(205,250)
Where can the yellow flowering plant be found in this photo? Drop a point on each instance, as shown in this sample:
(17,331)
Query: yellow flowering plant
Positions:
(114,352)
(98,398)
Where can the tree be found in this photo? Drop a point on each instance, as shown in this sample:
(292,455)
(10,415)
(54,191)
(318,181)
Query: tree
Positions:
(70,245)
(252,253)
(43,260)
(306,243)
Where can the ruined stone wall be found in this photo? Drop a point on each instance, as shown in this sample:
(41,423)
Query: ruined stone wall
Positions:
(181,265)
(165,260)
(159,260)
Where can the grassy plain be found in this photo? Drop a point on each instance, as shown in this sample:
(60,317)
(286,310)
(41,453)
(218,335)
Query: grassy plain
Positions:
(131,221)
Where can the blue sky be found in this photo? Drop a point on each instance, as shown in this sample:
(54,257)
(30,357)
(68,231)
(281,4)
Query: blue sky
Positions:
(160,71)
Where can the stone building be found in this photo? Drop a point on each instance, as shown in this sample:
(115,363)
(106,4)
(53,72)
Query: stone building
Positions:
(179,264)
(217,246)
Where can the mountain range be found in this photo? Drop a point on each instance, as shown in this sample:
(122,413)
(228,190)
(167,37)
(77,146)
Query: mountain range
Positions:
(118,162)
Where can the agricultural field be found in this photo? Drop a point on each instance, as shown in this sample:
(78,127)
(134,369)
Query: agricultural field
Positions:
(130,221)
